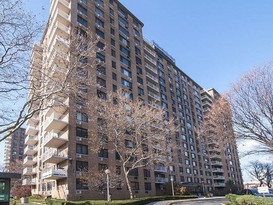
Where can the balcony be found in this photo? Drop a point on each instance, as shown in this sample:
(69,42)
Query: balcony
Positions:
(160,169)
(156,97)
(216,163)
(33,120)
(152,86)
(217,170)
(151,52)
(30,150)
(55,140)
(54,174)
(61,4)
(31,140)
(58,105)
(56,122)
(153,78)
(151,60)
(216,156)
(151,68)
(29,181)
(219,184)
(32,130)
(29,161)
(28,171)
(220,177)
(58,43)
(55,156)
(156,106)
(161,180)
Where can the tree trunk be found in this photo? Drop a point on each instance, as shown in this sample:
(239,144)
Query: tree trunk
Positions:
(128,183)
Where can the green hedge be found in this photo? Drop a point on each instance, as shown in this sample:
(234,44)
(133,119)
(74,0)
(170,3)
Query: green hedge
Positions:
(248,200)
(137,201)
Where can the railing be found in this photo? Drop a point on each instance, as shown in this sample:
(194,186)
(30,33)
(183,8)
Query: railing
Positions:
(153,95)
(152,77)
(150,59)
(153,86)
(151,68)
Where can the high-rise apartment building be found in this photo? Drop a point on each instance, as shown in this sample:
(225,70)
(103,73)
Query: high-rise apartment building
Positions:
(14,148)
(58,138)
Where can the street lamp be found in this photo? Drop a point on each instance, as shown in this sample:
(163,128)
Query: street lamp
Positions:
(107,172)
(172,185)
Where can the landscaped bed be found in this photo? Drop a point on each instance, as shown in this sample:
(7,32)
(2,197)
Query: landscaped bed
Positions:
(248,200)
(137,201)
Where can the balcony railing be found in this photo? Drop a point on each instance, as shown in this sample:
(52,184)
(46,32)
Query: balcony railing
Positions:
(53,173)
(56,122)
(161,180)
(55,156)
(151,68)
(154,87)
(160,169)
(55,140)
(153,95)
(152,77)
(31,140)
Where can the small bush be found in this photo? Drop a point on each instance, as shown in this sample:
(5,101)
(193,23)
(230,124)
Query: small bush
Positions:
(248,200)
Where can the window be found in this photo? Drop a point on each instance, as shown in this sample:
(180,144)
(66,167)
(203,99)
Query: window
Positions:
(162,88)
(140,80)
(101,70)
(81,132)
(80,184)
(82,9)
(133,172)
(124,41)
(113,43)
(139,70)
(124,51)
(115,88)
(82,21)
(99,23)
(101,82)
(123,31)
(126,72)
(138,61)
(188,170)
(161,80)
(103,153)
(114,64)
(164,105)
(101,95)
(111,2)
(81,117)
(123,21)
(140,91)
(112,31)
(113,53)
(100,33)
(126,83)
(100,45)
(114,76)
(148,186)
(137,51)
(100,2)
(111,11)
(136,33)
(81,165)
(123,13)
(81,149)
(112,22)
(99,12)
(135,185)
(147,173)
(100,57)
(125,61)
(137,42)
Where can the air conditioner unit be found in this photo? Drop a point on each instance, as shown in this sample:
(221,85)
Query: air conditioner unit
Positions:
(79,139)
(101,158)
(79,122)
(78,155)
(78,192)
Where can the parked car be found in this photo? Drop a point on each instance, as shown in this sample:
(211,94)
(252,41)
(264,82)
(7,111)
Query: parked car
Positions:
(256,193)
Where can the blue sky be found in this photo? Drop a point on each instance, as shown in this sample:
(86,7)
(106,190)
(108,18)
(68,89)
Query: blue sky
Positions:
(213,41)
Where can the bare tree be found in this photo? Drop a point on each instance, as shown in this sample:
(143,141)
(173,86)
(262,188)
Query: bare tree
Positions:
(52,77)
(263,172)
(15,166)
(251,102)
(138,134)
(96,179)
(217,124)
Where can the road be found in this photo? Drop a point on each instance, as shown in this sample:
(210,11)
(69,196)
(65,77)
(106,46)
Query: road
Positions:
(217,201)
(200,201)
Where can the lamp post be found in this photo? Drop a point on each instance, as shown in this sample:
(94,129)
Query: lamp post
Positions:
(107,172)
(172,185)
